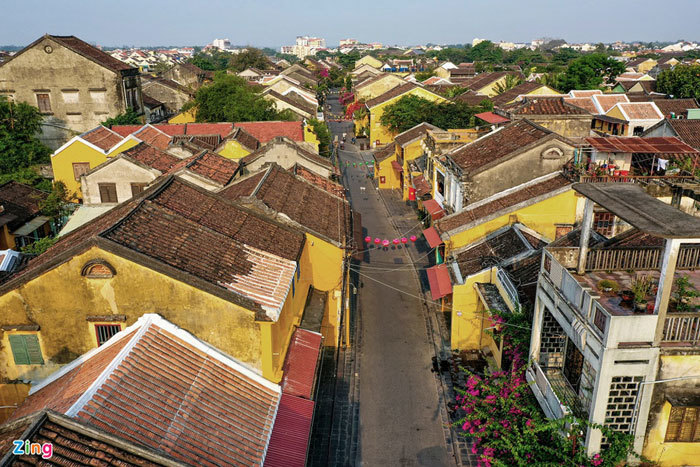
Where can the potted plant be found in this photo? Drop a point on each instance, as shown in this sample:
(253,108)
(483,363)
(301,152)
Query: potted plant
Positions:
(607,286)
(685,293)
(627,295)
(641,287)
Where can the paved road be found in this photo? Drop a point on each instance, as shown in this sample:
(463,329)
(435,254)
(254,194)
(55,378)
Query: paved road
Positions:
(400,421)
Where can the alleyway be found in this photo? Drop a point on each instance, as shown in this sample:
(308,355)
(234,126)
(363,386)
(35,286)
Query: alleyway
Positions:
(400,417)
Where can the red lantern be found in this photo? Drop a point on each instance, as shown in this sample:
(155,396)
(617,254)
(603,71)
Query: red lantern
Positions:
(385,243)
(368,239)
(413,238)
(404,240)
(395,241)
(377,241)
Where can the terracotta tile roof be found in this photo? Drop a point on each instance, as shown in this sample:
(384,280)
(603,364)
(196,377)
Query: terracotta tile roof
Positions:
(243,187)
(390,94)
(126,130)
(502,202)
(102,137)
(300,103)
(302,151)
(75,443)
(585,103)
(245,139)
(490,117)
(92,53)
(629,76)
(484,79)
(417,131)
(688,131)
(153,136)
(640,111)
(152,157)
(176,395)
(213,166)
(202,236)
(150,102)
(169,83)
(490,252)
(321,182)
(471,98)
(497,145)
(513,93)
(631,239)
(265,131)
(544,106)
(222,129)
(585,92)
(304,203)
(21,200)
(607,101)
(384,152)
(678,106)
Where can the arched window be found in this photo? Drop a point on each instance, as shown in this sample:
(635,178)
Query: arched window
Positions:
(98,269)
(552,153)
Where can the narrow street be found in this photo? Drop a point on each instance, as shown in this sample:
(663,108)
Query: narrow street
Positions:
(400,419)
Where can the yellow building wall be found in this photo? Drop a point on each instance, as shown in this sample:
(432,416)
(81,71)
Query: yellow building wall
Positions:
(655,448)
(490,89)
(368,60)
(233,150)
(468,318)
(11,395)
(646,66)
(62,162)
(310,136)
(189,116)
(615,113)
(379,87)
(384,169)
(7,240)
(60,300)
(410,152)
(541,217)
(382,134)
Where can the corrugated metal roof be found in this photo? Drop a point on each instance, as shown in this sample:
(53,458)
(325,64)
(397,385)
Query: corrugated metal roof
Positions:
(659,145)
(290,435)
(432,237)
(300,365)
(490,117)
(436,211)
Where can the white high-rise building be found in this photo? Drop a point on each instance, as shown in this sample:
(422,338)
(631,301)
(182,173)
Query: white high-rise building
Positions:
(221,44)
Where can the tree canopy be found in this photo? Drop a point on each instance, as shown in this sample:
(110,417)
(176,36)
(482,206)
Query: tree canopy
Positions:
(590,72)
(249,58)
(231,98)
(411,110)
(681,81)
(19,146)
(130,117)
(213,60)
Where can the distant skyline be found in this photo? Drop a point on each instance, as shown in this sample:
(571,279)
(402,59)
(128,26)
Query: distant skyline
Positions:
(403,22)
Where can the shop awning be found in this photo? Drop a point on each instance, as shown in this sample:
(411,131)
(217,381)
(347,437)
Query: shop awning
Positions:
(31,226)
(492,118)
(434,209)
(396,166)
(421,185)
(290,434)
(440,282)
(300,365)
(432,237)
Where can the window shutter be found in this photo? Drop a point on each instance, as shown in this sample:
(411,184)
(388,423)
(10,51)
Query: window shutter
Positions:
(19,350)
(674,423)
(108,192)
(689,420)
(33,349)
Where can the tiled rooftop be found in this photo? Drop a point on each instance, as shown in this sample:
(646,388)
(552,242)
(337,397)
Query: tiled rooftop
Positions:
(417,131)
(214,167)
(544,106)
(102,137)
(152,157)
(153,136)
(265,131)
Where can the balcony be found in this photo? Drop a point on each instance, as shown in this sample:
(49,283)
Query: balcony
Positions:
(545,394)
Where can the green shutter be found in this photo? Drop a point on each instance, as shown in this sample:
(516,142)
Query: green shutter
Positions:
(33,349)
(26,349)
(19,350)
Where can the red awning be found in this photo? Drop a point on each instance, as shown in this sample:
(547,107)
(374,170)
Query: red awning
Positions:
(421,185)
(490,117)
(300,363)
(396,166)
(434,209)
(440,282)
(290,433)
(432,237)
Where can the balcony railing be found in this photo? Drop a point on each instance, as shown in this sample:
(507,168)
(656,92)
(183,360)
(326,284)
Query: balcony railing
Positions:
(682,328)
(611,259)
(509,287)
(643,179)
(545,393)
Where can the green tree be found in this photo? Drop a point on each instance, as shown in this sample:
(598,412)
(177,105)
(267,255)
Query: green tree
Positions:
(19,146)
(590,72)
(681,81)
(348,60)
(423,75)
(348,83)
(130,117)
(509,82)
(39,246)
(486,51)
(213,60)
(249,58)
(324,136)
(57,203)
(411,110)
(231,98)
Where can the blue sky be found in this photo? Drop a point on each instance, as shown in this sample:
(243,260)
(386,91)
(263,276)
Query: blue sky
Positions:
(405,22)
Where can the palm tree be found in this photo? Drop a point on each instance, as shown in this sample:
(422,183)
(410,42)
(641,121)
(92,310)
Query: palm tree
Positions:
(510,81)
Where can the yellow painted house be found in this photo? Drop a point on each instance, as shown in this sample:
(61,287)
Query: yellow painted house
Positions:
(166,251)
(387,170)
(368,60)
(376,86)
(85,152)
(488,83)
(407,147)
(379,134)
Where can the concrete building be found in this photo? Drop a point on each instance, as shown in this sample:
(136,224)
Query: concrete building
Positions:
(626,360)
(74,84)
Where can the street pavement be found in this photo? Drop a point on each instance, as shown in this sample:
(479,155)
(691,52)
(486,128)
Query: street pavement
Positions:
(401,415)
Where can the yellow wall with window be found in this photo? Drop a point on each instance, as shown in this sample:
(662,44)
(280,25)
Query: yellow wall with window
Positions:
(385,171)
(468,317)
(63,159)
(310,135)
(380,133)
(188,116)
(541,217)
(411,151)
